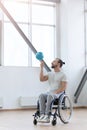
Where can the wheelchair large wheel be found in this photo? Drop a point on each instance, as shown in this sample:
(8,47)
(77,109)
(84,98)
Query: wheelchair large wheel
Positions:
(65,109)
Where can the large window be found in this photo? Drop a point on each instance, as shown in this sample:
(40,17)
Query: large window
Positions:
(37,21)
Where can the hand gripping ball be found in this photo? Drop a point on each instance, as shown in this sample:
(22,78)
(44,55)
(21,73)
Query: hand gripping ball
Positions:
(39,56)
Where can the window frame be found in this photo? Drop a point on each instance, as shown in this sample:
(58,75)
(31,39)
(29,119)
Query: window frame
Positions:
(30,52)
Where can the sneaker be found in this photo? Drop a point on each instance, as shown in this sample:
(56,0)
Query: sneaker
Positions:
(46,119)
(41,118)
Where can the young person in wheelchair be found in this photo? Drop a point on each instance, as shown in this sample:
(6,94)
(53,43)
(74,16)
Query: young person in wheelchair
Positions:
(58,83)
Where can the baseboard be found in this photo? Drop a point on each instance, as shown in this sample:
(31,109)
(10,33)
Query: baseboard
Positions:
(20,109)
(80,107)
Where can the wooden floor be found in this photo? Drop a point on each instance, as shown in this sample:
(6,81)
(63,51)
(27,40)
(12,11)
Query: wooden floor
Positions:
(23,120)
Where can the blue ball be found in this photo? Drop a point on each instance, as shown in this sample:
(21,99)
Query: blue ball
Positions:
(39,56)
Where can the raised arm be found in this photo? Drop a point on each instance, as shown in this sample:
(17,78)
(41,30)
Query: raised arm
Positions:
(42,76)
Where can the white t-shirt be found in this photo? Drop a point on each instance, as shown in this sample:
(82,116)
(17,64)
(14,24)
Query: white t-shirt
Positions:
(54,79)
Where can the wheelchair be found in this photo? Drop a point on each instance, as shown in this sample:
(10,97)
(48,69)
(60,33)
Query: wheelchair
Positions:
(60,107)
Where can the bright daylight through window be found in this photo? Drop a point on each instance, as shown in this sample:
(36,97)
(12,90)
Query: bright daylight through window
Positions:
(37,19)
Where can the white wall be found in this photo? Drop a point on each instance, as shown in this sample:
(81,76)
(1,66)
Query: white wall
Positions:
(72,42)
(19,81)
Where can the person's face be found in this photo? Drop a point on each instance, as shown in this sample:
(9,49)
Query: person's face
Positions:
(55,63)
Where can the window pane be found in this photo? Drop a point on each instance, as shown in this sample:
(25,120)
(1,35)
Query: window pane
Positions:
(43,14)
(43,39)
(19,11)
(15,48)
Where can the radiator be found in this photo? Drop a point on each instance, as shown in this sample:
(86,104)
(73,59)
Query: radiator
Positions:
(28,101)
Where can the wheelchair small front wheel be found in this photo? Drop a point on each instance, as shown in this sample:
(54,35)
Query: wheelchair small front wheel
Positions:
(35,122)
(54,122)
